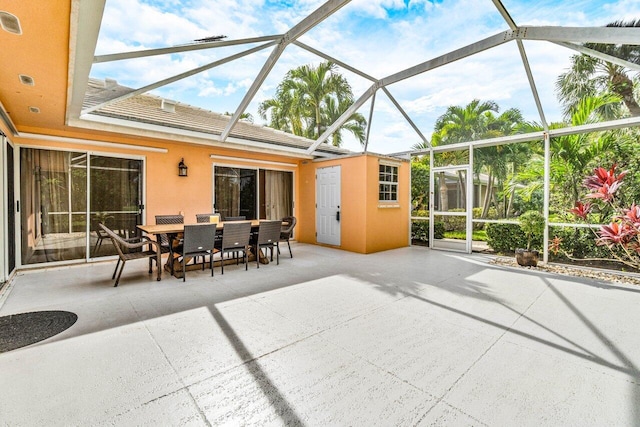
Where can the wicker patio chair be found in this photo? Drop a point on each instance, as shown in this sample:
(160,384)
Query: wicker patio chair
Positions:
(268,238)
(235,238)
(287,231)
(198,240)
(129,249)
(235,218)
(168,219)
(202,218)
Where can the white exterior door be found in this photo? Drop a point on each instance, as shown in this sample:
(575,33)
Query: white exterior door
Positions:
(328,205)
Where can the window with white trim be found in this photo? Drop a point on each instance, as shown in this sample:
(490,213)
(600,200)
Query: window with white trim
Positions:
(388,186)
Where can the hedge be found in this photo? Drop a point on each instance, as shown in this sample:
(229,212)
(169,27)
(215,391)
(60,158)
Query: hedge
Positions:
(506,238)
(420,230)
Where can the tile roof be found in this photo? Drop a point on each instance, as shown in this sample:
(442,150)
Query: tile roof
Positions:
(147,108)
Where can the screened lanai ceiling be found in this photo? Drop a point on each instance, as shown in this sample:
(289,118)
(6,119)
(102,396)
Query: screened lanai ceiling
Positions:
(406,61)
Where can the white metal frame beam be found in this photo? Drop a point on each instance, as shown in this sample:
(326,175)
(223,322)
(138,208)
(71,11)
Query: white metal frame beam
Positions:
(313,19)
(596,54)
(366,76)
(181,48)
(177,77)
(611,35)
(439,61)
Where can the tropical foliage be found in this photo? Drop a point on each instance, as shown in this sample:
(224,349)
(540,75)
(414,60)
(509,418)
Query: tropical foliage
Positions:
(621,233)
(310,99)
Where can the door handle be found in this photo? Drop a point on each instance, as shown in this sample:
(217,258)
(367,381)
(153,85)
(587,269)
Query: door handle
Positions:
(338,216)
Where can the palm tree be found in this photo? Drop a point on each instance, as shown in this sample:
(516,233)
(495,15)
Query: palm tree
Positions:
(590,76)
(461,124)
(309,100)
(478,120)
(356,124)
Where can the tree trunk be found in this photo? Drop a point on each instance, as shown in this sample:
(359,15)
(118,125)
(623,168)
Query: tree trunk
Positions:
(444,194)
(622,85)
(487,196)
(462,185)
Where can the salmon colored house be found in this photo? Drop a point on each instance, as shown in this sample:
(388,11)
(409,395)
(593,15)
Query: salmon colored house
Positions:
(77,151)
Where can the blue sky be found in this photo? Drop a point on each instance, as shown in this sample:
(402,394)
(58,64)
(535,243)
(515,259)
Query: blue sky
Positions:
(379,37)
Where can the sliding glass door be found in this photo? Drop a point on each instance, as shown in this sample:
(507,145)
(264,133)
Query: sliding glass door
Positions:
(65,194)
(252,193)
(115,200)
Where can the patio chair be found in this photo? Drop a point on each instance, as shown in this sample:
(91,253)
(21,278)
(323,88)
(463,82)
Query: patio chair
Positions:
(164,239)
(202,218)
(235,218)
(168,219)
(235,238)
(287,231)
(129,249)
(206,218)
(268,238)
(198,241)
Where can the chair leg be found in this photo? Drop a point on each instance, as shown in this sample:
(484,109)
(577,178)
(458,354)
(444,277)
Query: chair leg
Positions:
(113,276)
(277,254)
(211,263)
(245,259)
(119,274)
(222,262)
(184,269)
(150,265)
(290,253)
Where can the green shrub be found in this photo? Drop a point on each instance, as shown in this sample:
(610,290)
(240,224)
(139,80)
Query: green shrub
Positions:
(578,242)
(532,224)
(506,238)
(420,230)
(455,223)
(420,212)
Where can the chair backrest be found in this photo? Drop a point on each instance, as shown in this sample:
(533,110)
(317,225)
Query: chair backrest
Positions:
(235,218)
(269,232)
(117,241)
(236,235)
(169,219)
(288,229)
(202,218)
(198,238)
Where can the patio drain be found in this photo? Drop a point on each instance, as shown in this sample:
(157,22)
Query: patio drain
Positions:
(20,330)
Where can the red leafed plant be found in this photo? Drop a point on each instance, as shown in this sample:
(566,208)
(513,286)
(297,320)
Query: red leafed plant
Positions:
(622,234)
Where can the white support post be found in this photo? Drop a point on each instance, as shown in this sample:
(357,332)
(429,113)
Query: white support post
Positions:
(545,208)
(373,103)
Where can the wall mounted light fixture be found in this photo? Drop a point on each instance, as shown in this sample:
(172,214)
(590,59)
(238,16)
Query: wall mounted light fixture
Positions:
(182,168)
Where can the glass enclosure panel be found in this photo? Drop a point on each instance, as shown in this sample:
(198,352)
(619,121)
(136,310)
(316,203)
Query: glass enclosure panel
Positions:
(451,191)
(577,245)
(235,192)
(450,232)
(508,180)
(116,199)
(53,211)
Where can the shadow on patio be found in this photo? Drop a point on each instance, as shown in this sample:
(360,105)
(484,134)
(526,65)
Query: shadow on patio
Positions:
(402,337)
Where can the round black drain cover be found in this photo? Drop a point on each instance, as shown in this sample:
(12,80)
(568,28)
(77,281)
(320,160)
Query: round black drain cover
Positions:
(20,330)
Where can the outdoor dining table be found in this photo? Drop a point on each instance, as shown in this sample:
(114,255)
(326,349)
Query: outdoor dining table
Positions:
(172,231)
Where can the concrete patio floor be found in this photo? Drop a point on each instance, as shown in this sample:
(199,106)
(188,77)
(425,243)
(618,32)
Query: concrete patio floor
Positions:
(403,337)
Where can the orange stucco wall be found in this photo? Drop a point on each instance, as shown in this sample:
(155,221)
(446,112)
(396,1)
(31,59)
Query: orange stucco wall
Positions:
(166,192)
(366,225)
